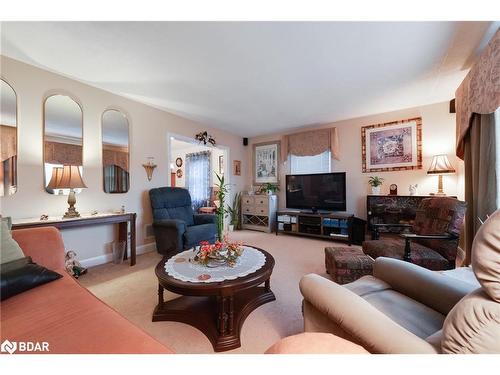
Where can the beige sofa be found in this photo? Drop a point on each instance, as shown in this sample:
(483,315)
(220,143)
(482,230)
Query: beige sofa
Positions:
(404,308)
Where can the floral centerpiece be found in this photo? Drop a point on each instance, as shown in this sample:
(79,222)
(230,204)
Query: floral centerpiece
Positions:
(219,253)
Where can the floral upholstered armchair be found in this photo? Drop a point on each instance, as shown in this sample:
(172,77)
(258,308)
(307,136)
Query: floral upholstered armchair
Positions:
(433,243)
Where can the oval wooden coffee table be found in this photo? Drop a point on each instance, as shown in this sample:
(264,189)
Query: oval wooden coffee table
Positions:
(217,309)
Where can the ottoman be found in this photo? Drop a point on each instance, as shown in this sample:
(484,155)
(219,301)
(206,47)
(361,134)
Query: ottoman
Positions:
(347,264)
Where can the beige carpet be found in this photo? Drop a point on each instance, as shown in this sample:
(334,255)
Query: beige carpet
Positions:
(132,291)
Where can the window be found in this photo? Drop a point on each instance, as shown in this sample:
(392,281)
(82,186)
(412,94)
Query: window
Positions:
(198,172)
(310,164)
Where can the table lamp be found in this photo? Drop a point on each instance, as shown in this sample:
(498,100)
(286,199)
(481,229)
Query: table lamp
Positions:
(440,165)
(56,178)
(70,178)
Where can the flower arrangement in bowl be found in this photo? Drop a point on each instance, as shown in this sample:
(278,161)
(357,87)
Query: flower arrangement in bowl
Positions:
(219,253)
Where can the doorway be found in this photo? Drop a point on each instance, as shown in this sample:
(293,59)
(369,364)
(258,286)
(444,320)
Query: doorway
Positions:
(194,166)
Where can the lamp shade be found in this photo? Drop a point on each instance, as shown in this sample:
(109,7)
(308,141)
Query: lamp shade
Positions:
(440,165)
(71,178)
(56,178)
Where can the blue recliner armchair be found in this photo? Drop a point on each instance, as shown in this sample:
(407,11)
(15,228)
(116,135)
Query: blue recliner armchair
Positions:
(175,225)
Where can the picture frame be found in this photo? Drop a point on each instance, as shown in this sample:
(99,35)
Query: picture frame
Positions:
(178,162)
(237,167)
(221,164)
(392,146)
(266,157)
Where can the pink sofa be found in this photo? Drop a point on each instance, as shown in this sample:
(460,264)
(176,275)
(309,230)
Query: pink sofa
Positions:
(65,314)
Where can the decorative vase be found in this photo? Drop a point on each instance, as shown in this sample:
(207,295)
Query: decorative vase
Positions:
(376,190)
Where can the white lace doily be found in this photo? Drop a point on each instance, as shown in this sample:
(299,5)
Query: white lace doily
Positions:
(182,267)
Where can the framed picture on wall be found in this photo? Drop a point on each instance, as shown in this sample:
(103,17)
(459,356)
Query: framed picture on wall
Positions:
(392,146)
(237,168)
(221,164)
(266,162)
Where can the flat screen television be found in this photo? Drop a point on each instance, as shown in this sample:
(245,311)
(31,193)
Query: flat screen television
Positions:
(323,191)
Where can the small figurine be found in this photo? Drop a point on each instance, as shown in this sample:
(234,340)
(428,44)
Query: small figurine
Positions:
(94,212)
(44,217)
(123,209)
(73,266)
(413,189)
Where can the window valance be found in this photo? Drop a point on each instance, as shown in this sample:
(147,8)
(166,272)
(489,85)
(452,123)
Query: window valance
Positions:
(310,143)
(480,90)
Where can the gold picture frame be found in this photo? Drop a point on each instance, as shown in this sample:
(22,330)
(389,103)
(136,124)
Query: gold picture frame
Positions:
(392,146)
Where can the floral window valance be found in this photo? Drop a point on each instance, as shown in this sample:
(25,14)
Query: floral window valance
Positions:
(480,90)
(310,143)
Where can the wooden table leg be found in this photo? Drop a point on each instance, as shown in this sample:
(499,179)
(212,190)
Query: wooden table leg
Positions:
(160,295)
(267,285)
(230,320)
(132,240)
(122,236)
(222,315)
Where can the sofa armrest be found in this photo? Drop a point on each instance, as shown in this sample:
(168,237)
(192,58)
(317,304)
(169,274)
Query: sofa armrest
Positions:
(178,225)
(204,219)
(375,228)
(44,245)
(169,235)
(373,330)
(431,288)
(412,236)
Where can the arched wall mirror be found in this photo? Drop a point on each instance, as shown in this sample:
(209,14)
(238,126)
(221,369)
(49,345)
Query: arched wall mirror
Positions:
(63,140)
(115,152)
(8,139)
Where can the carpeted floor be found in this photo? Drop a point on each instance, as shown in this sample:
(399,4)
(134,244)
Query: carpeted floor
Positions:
(132,291)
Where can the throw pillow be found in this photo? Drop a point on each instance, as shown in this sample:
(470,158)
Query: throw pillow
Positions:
(10,249)
(21,275)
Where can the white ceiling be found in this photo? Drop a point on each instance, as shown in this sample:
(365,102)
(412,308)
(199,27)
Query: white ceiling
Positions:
(253,78)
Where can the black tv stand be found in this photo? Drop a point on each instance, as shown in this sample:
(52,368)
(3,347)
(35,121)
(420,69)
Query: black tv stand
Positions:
(327,225)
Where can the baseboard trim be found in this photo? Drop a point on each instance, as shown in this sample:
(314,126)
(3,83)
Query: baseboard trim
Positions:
(106,258)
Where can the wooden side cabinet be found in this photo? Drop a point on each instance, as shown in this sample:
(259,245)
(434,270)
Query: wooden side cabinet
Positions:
(258,212)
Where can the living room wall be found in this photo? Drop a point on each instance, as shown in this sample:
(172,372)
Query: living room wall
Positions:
(438,137)
(148,137)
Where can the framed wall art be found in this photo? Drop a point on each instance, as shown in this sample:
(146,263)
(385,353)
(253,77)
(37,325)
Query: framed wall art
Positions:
(237,167)
(392,146)
(266,162)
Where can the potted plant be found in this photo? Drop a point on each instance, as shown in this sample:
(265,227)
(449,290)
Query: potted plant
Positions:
(269,188)
(220,212)
(235,213)
(375,182)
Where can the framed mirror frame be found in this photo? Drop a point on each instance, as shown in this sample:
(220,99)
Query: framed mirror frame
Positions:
(115,166)
(9,166)
(46,179)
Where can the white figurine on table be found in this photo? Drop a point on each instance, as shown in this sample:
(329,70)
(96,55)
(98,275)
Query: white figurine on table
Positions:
(413,189)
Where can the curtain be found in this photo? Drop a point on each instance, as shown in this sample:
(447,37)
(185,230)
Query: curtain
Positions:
(116,179)
(479,92)
(198,171)
(482,174)
(311,143)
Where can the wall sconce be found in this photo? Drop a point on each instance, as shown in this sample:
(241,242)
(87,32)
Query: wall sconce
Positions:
(149,167)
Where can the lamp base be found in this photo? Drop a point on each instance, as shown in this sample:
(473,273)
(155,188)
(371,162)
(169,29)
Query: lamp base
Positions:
(72,212)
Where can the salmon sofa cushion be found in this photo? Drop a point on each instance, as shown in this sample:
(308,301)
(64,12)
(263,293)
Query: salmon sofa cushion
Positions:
(72,320)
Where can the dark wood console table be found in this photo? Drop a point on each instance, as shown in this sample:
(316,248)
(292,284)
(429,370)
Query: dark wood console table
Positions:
(88,220)
(393,209)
